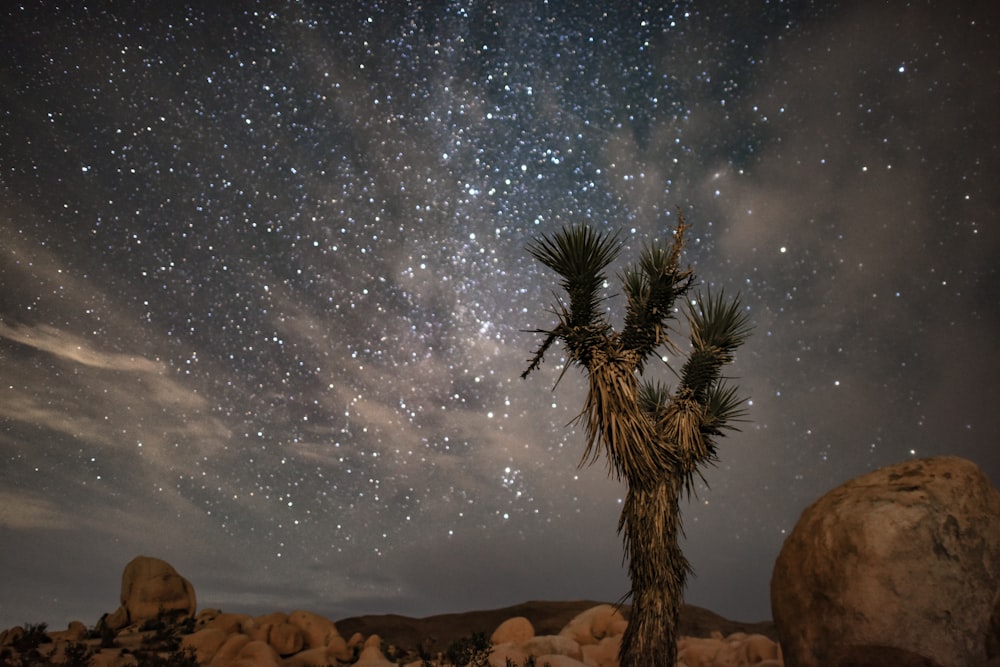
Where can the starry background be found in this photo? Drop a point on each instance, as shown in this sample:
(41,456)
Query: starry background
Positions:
(264,292)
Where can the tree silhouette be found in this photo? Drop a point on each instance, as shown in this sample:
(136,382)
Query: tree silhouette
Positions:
(654,438)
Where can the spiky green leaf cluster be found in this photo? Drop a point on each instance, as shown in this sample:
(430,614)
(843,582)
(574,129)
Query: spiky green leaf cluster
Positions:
(718,322)
(723,406)
(579,255)
(653,398)
(718,327)
(651,288)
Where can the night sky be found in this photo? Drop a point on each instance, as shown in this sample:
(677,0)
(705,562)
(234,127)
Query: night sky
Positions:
(264,290)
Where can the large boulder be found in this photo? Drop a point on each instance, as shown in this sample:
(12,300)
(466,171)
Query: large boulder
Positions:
(906,558)
(371,654)
(150,588)
(594,624)
(284,638)
(317,631)
(517,629)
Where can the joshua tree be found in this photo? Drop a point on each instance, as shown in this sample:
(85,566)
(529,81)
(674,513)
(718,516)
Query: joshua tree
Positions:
(655,438)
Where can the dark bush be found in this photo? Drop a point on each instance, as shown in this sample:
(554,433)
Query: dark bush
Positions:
(471,651)
(33,637)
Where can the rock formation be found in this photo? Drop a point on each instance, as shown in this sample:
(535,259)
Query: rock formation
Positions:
(514,630)
(317,631)
(157,619)
(595,624)
(150,588)
(593,637)
(903,561)
(372,655)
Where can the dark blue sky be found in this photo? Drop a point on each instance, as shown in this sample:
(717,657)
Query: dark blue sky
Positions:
(263,286)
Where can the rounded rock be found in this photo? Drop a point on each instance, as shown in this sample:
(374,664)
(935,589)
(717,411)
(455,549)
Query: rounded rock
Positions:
(906,558)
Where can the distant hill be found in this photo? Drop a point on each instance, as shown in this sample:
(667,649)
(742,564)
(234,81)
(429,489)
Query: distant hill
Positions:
(547,618)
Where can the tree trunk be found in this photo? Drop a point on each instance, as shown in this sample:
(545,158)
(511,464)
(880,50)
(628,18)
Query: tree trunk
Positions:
(651,523)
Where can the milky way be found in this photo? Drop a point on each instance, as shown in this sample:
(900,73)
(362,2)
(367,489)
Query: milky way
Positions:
(265,295)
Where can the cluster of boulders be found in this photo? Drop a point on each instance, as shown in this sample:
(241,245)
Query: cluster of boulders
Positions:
(898,567)
(306,639)
(289,640)
(593,638)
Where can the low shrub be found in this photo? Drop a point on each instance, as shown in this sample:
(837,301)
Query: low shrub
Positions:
(471,651)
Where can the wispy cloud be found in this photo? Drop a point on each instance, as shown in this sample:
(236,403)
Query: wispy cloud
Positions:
(74,348)
(24,509)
